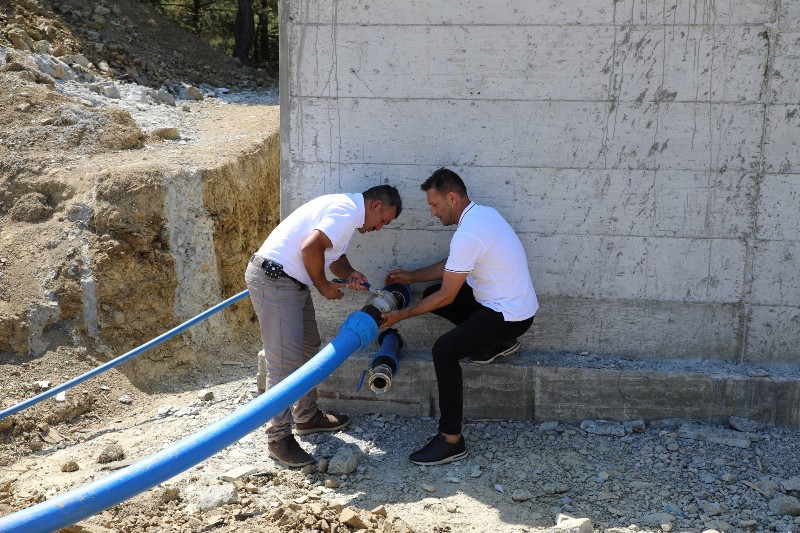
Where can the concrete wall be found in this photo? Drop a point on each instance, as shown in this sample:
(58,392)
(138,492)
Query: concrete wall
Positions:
(646,155)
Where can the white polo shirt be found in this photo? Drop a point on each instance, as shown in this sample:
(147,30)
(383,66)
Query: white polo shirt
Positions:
(337,215)
(485,246)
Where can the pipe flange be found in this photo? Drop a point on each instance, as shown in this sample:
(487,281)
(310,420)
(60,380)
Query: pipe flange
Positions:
(362,325)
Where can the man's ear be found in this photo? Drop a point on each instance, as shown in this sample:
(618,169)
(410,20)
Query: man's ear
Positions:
(376,205)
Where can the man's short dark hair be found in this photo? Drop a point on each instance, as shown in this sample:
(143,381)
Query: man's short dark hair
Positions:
(386,194)
(444,181)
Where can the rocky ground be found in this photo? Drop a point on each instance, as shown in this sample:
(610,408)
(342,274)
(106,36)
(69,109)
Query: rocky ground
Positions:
(87,86)
(668,475)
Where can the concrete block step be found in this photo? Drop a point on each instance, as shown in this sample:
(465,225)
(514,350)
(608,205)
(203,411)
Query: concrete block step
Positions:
(572,388)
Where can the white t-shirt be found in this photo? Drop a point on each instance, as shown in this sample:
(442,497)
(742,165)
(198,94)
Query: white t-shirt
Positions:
(337,215)
(488,248)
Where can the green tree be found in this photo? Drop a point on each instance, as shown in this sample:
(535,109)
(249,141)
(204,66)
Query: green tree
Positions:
(245,29)
(265,49)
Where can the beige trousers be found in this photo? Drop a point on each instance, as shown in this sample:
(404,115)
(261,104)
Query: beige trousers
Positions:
(290,337)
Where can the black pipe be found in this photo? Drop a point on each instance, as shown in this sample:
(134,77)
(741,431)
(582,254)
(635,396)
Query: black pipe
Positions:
(386,362)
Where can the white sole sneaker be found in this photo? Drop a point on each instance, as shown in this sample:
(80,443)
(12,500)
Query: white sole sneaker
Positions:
(451,459)
(507,351)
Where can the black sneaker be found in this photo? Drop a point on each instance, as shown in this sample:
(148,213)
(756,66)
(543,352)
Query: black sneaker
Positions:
(504,350)
(438,452)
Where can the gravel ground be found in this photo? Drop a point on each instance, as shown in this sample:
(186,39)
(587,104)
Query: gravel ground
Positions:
(668,475)
(144,106)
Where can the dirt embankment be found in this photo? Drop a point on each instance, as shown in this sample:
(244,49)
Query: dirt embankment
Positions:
(111,232)
(127,205)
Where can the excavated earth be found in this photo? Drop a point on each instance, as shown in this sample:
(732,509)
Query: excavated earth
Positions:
(122,215)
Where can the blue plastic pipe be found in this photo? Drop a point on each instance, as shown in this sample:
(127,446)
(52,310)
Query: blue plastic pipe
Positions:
(122,358)
(357,331)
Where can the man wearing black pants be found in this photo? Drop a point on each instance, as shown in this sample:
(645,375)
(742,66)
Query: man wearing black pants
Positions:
(486,291)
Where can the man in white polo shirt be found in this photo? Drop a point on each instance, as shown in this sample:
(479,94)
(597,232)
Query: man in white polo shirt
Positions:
(295,255)
(486,291)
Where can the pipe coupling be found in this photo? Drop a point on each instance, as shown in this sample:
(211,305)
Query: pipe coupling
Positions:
(379,379)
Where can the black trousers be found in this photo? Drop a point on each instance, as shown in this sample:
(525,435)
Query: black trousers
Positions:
(479,331)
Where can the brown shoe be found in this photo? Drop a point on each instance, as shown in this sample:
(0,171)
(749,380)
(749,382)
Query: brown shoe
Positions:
(289,452)
(322,421)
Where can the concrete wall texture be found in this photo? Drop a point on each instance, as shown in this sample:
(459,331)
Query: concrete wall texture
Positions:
(645,152)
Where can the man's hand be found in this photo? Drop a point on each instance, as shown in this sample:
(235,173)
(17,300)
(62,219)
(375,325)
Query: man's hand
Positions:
(399,275)
(391,318)
(332,291)
(356,281)
(451,284)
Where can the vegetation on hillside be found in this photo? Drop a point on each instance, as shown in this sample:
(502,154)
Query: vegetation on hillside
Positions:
(245,29)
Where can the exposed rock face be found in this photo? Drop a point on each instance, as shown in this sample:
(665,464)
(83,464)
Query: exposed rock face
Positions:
(122,247)
(91,251)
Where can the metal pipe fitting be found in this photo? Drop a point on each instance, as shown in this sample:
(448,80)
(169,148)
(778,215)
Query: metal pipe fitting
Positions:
(391,297)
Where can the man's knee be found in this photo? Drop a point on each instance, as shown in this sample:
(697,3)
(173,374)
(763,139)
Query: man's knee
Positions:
(443,351)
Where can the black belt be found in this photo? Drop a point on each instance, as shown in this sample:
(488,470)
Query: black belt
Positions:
(274,270)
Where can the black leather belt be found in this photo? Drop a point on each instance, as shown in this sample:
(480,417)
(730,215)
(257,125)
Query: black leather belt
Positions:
(274,270)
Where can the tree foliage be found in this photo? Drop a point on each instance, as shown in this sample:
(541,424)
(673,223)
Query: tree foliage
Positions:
(245,29)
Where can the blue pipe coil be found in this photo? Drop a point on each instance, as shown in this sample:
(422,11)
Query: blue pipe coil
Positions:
(122,358)
(358,330)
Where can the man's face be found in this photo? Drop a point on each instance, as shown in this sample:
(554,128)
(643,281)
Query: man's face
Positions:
(442,206)
(377,216)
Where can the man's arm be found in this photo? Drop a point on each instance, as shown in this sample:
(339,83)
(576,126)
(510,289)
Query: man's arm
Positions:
(341,268)
(313,252)
(429,273)
(451,284)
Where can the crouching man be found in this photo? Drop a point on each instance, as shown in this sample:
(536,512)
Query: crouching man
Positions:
(485,290)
